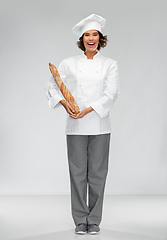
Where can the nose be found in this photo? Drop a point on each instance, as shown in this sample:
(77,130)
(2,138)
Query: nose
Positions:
(90,37)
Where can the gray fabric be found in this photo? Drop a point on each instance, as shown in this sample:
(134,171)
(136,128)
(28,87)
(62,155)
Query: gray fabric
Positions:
(88,164)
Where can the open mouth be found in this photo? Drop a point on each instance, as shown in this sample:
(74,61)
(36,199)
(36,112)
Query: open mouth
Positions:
(91,44)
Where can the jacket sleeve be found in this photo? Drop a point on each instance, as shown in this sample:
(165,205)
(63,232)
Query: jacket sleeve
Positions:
(103,105)
(53,92)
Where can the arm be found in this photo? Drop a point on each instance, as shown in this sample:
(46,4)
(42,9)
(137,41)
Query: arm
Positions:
(103,105)
(53,94)
(64,90)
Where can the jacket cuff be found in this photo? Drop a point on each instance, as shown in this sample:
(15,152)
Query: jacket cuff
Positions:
(99,109)
(54,101)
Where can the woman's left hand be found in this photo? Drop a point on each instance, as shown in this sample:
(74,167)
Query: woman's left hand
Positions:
(82,113)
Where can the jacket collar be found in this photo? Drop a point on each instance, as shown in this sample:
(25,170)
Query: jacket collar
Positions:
(95,56)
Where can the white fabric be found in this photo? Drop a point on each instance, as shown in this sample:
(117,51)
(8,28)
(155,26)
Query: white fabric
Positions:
(90,25)
(84,25)
(92,82)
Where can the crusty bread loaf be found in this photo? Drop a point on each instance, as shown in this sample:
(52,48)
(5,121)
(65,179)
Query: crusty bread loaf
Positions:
(66,93)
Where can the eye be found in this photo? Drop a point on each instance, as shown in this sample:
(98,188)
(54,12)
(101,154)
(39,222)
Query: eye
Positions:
(95,34)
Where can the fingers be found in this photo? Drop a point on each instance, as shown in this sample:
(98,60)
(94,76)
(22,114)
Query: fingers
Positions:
(75,116)
(70,111)
(81,114)
(68,108)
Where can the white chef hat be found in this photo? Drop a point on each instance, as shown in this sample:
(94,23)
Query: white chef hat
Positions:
(91,22)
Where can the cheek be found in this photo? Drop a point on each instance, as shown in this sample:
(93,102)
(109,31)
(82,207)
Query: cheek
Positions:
(84,42)
(97,40)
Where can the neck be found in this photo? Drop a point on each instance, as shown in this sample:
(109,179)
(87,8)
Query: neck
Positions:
(90,55)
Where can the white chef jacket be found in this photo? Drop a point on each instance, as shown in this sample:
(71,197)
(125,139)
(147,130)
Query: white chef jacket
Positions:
(92,82)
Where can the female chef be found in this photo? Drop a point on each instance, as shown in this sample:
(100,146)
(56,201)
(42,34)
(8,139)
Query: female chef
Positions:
(92,79)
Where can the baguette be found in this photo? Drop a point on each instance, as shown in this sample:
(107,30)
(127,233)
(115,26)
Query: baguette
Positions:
(64,90)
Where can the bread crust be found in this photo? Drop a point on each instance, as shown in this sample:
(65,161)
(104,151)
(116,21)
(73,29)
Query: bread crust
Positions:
(64,90)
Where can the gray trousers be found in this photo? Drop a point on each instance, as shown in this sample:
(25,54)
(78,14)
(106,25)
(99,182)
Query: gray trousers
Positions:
(88,167)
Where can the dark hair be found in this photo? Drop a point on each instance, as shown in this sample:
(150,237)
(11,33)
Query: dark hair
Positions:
(102,42)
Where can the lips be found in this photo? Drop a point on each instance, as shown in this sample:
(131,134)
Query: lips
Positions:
(91,44)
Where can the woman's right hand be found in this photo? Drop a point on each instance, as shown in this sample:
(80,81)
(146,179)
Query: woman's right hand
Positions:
(68,107)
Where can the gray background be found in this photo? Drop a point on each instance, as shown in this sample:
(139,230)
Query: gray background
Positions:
(33,145)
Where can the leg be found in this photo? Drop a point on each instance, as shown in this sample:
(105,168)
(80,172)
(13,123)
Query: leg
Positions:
(98,152)
(77,159)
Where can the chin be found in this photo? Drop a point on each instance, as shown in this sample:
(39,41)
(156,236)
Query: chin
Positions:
(91,49)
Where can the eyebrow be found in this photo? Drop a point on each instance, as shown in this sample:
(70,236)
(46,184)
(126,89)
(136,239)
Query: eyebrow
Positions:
(92,33)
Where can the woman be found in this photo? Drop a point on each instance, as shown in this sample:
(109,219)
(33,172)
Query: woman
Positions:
(93,81)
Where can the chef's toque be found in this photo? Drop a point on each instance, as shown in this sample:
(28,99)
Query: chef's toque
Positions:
(93,21)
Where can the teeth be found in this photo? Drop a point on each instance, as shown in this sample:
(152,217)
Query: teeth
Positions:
(91,43)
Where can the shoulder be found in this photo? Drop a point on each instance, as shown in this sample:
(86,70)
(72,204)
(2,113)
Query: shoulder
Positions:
(70,60)
(107,61)
(69,64)
(109,65)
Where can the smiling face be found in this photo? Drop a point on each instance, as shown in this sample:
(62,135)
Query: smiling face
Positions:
(91,40)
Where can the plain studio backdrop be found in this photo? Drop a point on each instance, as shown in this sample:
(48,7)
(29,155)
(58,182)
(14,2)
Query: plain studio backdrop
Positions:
(33,158)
